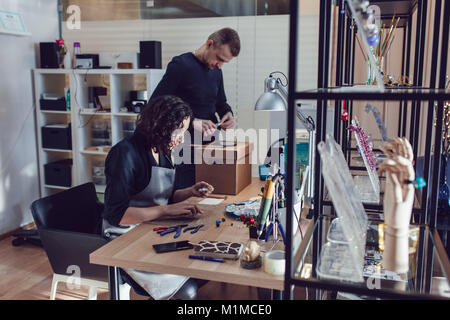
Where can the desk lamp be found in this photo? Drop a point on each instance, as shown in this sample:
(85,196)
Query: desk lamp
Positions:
(274,98)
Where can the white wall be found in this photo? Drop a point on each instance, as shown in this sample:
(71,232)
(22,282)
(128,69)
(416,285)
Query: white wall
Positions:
(19,185)
(264,48)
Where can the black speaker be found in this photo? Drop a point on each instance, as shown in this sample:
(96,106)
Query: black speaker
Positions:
(49,54)
(150,55)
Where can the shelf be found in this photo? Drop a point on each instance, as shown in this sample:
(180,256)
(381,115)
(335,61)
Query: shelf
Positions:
(113,71)
(401,8)
(96,71)
(369,93)
(391,285)
(16,33)
(83,119)
(56,187)
(53,71)
(125,114)
(56,150)
(55,112)
(87,113)
(89,152)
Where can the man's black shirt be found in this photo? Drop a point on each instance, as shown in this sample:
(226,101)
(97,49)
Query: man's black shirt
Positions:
(202,88)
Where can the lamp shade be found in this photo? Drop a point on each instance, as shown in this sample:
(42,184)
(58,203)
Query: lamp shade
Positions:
(270,101)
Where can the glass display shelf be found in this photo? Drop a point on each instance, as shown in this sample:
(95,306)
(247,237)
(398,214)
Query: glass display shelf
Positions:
(368,93)
(377,282)
(400,8)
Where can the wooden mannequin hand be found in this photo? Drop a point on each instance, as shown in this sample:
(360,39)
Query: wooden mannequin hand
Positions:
(399,194)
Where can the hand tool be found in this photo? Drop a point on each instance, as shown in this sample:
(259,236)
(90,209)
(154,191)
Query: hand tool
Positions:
(160,229)
(173,229)
(194,228)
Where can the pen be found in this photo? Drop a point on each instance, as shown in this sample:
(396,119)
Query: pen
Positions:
(207,258)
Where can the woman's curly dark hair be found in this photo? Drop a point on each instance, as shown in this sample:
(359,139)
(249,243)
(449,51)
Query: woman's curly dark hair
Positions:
(159,119)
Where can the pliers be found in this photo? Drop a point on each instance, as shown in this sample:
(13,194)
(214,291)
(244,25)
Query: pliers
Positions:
(194,228)
(270,230)
(173,229)
(160,229)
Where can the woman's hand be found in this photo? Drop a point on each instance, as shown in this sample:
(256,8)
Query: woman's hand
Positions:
(206,127)
(202,189)
(183,208)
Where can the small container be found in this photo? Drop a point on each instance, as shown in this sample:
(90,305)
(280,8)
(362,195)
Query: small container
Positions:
(335,233)
(76,50)
(98,169)
(100,125)
(336,263)
(100,142)
(100,134)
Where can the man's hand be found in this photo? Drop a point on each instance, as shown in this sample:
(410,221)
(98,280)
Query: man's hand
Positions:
(227,121)
(207,127)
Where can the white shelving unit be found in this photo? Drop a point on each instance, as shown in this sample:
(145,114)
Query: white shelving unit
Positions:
(84,154)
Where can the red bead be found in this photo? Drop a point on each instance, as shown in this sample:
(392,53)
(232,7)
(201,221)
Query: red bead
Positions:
(344,116)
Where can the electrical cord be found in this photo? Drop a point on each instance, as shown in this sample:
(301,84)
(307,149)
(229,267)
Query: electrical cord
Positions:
(10,153)
(80,117)
(82,125)
(284,85)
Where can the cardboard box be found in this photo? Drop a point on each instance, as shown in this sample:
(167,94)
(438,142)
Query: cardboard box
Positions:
(227,169)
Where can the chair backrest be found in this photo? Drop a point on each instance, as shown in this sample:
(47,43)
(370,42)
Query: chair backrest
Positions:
(69,225)
(69,252)
(76,209)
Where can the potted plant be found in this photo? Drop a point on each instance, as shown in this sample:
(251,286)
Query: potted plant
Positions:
(63,55)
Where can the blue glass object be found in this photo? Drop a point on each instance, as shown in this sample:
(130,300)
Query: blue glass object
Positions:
(380,123)
(373,40)
(444,193)
(419,183)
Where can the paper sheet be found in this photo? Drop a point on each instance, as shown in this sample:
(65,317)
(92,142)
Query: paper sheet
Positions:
(211,201)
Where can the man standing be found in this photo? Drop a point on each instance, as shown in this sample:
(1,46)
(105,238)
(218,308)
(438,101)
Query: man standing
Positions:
(196,77)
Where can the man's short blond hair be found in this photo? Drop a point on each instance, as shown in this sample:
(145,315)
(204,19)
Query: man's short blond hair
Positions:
(227,36)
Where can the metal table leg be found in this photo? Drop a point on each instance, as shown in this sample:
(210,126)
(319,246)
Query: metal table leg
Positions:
(113,279)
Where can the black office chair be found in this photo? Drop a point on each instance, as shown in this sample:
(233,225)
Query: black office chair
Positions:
(69,225)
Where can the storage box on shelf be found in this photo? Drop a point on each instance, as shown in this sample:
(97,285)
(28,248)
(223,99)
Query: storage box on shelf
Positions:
(53,129)
(59,173)
(82,131)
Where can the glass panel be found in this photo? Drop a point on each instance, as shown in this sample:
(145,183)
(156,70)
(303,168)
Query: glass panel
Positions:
(378,282)
(173,9)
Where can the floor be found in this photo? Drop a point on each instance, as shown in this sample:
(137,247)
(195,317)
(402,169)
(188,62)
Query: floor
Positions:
(26,274)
